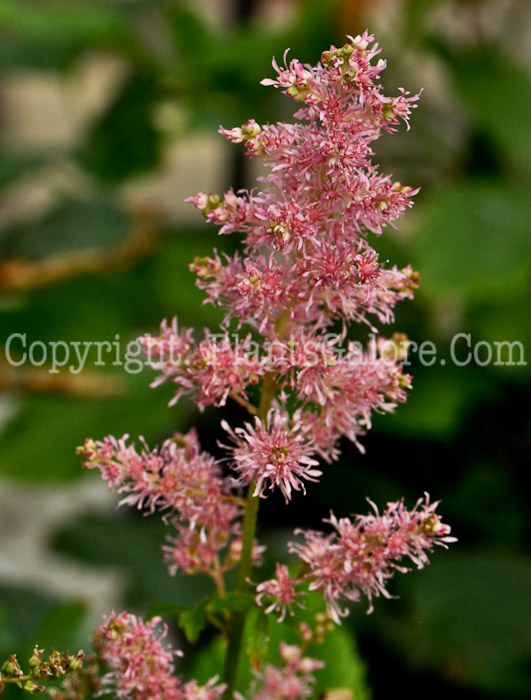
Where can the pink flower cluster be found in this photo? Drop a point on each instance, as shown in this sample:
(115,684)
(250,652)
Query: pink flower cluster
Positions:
(280,591)
(307,264)
(141,665)
(210,371)
(184,482)
(292,681)
(362,554)
(276,454)
(333,389)
(305,233)
(306,270)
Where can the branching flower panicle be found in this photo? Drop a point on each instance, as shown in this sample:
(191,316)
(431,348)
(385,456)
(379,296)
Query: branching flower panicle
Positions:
(362,554)
(305,271)
(183,482)
(141,664)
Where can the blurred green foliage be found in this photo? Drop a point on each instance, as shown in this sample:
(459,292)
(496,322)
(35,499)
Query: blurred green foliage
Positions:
(343,666)
(460,627)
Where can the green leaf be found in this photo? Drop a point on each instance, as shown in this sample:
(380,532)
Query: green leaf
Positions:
(258,637)
(165,609)
(192,622)
(473,242)
(477,76)
(231,601)
(344,668)
(468,617)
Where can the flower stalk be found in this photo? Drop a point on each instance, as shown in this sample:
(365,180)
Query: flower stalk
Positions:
(237,624)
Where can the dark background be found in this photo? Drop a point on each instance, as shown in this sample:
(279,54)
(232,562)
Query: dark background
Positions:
(108,118)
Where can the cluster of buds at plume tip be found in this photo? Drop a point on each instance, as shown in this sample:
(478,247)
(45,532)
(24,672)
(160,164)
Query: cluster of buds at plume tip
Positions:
(41,670)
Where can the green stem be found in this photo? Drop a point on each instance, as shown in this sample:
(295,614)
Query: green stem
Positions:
(237,627)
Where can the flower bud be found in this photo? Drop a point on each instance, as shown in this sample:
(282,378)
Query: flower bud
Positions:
(11,667)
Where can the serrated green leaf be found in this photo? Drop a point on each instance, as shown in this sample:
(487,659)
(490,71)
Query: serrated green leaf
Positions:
(192,622)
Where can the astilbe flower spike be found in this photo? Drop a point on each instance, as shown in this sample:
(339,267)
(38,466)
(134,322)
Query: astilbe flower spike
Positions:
(210,371)
(307,263)
(184,483)
(141,664)
(362,554)
(305,271)
(305,232)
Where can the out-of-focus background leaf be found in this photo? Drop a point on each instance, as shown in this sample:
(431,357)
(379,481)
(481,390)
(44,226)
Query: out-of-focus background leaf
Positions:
(108,117)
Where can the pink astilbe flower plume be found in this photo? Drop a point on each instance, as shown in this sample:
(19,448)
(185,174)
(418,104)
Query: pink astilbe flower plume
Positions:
(183,482)
(209,371)
(141,664)
(362,554)
(306,265)
(321,198)
(305,271)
